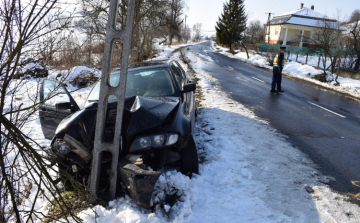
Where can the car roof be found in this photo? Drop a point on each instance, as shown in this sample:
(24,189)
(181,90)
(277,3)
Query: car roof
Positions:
(147,65)
(150,64)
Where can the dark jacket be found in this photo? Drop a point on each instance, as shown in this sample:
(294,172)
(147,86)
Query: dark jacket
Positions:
(280,61)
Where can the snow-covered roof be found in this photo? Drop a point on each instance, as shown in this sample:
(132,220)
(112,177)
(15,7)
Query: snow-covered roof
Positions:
(304,12)
(304,17)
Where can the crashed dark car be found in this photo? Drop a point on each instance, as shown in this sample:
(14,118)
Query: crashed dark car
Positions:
(157,127)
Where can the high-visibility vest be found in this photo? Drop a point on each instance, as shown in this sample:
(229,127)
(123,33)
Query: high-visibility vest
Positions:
(275,64)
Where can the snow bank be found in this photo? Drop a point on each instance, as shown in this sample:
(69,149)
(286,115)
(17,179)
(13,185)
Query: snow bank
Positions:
(69,75)
(164,52)
(301,70)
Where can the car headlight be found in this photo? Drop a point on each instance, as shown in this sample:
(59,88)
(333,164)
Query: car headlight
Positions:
(159,140)
(143,143)
(172,139)
(61,147)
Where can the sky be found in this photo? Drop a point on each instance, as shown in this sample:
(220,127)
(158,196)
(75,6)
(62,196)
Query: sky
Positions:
(208,11)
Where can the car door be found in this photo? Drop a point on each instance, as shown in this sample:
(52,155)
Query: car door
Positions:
(56,104)
(190,95)
(188,98)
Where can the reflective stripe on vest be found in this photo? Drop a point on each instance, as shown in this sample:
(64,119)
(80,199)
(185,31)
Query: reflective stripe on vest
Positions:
(275,64)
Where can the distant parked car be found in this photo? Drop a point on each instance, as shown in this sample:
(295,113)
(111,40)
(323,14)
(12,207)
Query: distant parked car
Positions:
(158,123)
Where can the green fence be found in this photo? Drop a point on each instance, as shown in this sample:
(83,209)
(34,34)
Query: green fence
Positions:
(264,47)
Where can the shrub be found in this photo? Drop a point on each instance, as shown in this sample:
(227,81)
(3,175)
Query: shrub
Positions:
(31,68)
(84,79)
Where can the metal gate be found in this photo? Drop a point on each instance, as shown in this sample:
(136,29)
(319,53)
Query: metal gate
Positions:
(124,36)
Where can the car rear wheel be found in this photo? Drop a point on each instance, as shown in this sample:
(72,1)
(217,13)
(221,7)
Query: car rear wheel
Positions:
(189,158)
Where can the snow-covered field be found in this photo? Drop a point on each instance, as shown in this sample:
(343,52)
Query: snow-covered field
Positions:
(248,173)
(299,70)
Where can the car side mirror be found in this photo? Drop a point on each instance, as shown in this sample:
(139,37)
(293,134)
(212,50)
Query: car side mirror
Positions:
(189,87)
(63,106)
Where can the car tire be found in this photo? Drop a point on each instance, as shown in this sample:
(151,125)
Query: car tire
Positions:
(64,176)
(189,158)
(70,180)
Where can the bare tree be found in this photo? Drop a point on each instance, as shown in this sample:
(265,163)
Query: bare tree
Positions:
(186,33)
(26,175)
(172,18)
(325,41)
(146,26)
(255,31)
(152,19)
(49,44)
(354,25)
(197,32)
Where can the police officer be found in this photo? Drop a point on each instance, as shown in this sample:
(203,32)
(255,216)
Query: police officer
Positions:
(278,65)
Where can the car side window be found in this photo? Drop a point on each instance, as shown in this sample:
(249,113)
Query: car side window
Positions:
(54,93)
(181,68)
(178,74)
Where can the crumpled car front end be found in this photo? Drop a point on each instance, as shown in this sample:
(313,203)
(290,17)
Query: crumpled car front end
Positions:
(153,133)
(156,132)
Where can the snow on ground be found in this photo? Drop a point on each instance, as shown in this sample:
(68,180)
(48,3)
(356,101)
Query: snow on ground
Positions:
(298,70)
(166,51)
(262,178)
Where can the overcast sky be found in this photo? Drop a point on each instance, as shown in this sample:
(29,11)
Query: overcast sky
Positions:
(207,11)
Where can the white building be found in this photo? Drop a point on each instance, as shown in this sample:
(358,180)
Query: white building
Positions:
(291,28)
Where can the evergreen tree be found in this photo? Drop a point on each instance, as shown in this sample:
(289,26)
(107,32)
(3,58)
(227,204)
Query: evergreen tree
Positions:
(232,23)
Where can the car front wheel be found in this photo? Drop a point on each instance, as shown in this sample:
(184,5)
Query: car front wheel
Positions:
(189,158)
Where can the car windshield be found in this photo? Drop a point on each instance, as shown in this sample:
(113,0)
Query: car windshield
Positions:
(147,83)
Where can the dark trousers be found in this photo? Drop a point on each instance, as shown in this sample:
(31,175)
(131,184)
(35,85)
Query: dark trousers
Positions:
(276,81)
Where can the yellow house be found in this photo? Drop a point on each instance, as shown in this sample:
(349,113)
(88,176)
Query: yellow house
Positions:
(293,27)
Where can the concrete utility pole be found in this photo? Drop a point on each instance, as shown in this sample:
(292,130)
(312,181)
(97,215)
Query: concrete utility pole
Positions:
(185,27)
(112,35)
(268,25)
(185,20)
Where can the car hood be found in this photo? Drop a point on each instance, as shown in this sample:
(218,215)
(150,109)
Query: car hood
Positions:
(140,114)
(148,113)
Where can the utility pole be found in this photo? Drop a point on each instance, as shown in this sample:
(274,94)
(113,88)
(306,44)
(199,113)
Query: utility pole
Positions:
(101,146)
(268,26)
(185,28)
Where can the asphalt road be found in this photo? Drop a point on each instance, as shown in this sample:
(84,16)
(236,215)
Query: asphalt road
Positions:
(321,123)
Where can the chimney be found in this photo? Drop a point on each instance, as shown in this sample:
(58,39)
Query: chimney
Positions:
(312,7)
(301,5)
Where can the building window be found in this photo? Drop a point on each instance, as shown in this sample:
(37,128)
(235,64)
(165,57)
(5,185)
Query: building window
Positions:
(276,31)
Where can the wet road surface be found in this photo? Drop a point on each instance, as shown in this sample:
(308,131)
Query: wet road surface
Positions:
(323,124)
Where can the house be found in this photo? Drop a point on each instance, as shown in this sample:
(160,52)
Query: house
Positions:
(293,27)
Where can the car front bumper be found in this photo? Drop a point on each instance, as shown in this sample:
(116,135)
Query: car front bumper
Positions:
(137,181)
